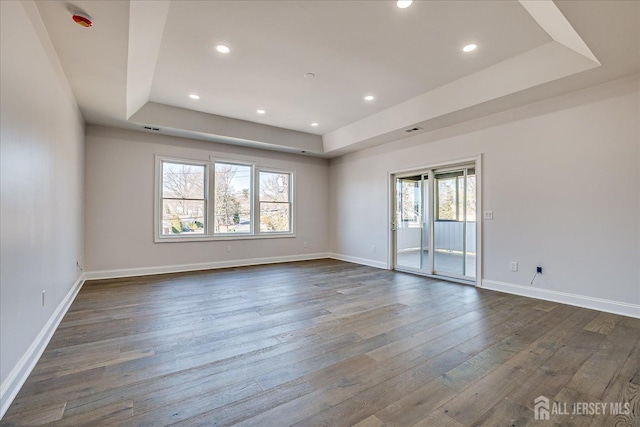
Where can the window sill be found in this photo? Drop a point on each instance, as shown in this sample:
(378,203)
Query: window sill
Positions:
(172,239)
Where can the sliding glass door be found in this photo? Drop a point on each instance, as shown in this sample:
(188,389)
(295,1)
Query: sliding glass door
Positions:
(436,235)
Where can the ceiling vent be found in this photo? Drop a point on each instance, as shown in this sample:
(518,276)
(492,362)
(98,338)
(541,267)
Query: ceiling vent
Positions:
(152,128)
(413,129)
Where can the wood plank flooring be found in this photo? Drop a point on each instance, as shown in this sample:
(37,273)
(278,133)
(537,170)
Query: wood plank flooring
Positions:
(324,343)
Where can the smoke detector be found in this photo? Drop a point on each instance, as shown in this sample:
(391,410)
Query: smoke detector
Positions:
(82,19)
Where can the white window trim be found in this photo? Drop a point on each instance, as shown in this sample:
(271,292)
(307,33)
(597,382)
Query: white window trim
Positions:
(209,208)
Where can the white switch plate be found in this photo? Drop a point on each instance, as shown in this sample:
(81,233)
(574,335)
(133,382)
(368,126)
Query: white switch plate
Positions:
(514,266)
(488,214)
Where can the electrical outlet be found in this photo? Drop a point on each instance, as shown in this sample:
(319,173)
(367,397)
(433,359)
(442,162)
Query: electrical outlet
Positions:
(373,248)
(306,244)
(514,266)
(488,214)
(228,249)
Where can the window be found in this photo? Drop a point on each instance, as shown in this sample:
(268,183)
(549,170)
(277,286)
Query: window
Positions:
(447,190)
(232,201)
(450,188)
(209,200)
(183,199)
(275,202)
(409,201)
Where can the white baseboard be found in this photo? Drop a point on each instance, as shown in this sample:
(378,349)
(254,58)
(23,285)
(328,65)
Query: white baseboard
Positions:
(180,268)
(357,260)
(19,374)
(615,307)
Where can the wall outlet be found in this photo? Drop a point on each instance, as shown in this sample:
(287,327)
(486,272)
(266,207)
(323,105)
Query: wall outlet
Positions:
(306,244)
(514,266)
(488,214)
(228,249)
(373,248)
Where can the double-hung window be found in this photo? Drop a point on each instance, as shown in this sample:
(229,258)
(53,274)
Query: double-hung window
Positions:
(222,199)
(232,199)
(184,203)
(275,202)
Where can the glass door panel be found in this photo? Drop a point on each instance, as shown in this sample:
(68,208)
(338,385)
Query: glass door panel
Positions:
(449,223)
(470,235)
(426,226)
(408,222)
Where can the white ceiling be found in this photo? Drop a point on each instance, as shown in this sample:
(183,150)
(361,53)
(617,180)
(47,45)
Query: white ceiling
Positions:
(353,47)
(139,62)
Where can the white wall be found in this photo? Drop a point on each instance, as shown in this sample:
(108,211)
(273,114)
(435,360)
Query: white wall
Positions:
(41,168)
(562,178)
(119,204)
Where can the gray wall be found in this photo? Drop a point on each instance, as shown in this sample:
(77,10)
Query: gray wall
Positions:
(41,213)
(119,204)
(562,178)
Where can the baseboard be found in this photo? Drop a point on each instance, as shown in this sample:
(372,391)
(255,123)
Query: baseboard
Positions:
(615,307)
(19,374)
(357,260)
(180,268)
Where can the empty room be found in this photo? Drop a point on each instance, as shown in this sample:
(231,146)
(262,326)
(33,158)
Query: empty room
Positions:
(320,213)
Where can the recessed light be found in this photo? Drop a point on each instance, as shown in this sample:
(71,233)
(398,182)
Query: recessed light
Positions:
(369,98)
(470,47)
(223,48)
(403,4)
(261,111)
(314,124)
(194,96)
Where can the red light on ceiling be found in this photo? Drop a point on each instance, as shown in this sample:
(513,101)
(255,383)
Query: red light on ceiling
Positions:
(82,20)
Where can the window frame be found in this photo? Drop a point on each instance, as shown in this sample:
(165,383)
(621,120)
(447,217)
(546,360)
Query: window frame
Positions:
(209,195)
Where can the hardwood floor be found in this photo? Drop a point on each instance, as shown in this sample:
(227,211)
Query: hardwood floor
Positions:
(324,343)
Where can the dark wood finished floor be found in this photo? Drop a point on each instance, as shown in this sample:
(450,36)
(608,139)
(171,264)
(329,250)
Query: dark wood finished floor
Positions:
(324,343)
